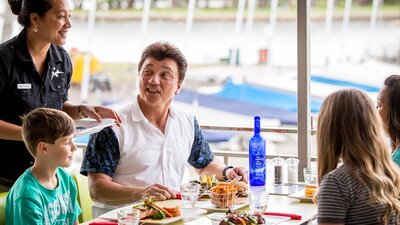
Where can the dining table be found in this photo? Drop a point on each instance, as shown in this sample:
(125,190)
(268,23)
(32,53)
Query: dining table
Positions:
(276,204)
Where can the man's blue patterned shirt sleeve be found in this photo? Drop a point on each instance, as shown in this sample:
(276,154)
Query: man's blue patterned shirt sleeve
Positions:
(102,153)
(201,154)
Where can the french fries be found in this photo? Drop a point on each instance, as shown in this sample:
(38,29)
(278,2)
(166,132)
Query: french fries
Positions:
(223,195)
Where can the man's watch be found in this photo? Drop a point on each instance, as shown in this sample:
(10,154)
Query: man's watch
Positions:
(224,172)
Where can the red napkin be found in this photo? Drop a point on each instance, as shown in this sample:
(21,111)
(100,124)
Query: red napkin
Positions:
(292,216)
(103,223)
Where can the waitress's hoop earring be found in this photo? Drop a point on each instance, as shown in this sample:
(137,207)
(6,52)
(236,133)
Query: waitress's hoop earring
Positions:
(35,29)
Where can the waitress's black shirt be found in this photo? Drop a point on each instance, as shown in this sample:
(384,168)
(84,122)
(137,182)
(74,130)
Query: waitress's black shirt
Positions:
(23,89)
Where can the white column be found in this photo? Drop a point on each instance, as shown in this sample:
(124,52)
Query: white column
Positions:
(345,28)
(250,15)
(90,5)
(372,26)
(238,27)
(328,28)
(145,16)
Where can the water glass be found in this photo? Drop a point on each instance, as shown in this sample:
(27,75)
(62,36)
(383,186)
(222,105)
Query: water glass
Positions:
(310,176)
(128,216)
(311,180)
(258,199)
(190,194)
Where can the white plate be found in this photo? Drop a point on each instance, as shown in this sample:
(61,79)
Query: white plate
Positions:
(210,207)
(112,215)
(216,218)
(300,195)
(89,126)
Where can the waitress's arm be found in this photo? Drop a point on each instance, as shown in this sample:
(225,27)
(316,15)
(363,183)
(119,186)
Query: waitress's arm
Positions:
(96,112)
(9,131)
(71,109)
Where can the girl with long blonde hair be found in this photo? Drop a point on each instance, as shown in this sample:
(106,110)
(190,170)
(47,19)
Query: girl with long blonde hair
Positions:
(366,188)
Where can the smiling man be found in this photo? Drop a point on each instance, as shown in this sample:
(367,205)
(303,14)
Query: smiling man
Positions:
(148,154)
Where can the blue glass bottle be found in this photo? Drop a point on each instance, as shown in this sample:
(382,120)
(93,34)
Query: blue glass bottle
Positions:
(257,164)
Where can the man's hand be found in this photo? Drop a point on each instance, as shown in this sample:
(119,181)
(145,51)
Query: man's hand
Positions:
(158,192)
(238,171)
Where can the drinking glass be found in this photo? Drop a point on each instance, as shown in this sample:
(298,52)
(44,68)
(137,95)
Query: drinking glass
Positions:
(258,199)
(128,216)
(311,180)
(190,194)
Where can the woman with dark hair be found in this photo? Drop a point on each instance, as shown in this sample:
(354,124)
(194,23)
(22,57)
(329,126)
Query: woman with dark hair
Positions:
(366,188)
(35,71)
(388,106)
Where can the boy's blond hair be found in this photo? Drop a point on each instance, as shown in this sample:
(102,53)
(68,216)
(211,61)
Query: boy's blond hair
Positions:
(47,125)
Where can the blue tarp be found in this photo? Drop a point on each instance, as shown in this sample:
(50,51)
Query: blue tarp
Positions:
(264,96)
(236,106)
(343,83)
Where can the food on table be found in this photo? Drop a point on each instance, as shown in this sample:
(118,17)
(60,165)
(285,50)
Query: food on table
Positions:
(310,190)
(173,210)
(223,195)
(206,182)
(151,210)
(241,189)
(242,219)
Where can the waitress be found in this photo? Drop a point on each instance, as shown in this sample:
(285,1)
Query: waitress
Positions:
(35,71)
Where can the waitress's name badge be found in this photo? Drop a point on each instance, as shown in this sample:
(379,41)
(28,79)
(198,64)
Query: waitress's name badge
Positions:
(24,86)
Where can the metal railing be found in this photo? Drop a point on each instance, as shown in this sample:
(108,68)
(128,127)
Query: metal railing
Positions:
(283,130)
(236,154)
(243,154)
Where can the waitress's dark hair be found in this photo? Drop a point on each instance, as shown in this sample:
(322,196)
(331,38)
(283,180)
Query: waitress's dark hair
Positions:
(24,8)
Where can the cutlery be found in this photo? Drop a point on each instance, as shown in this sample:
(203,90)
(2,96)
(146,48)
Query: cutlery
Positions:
(103,223)
(292,216)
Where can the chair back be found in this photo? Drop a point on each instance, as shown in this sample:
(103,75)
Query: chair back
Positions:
(84,200)
(3,196)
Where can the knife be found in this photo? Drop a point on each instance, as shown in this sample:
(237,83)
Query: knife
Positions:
(292,216)
(103,223)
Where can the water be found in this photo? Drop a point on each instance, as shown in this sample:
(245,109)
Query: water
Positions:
(310,176)
(128,221)
(219,36)
(258,199)
(189,198)
(258,203)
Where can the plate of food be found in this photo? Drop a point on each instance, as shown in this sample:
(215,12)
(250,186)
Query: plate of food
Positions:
(205,182)
(301,195)
(210,182)
(245,218)
(223,197)
(212,208)
(153,213)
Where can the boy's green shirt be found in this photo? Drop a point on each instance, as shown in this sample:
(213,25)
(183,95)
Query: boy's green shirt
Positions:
(28,202)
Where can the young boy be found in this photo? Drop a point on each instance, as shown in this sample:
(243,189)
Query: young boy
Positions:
(45,193)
